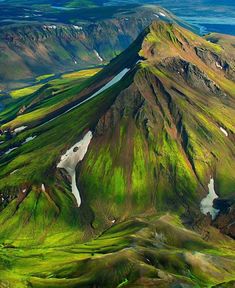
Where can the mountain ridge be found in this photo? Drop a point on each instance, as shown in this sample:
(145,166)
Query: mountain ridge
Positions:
(157,93)
(44,47)
(161,134)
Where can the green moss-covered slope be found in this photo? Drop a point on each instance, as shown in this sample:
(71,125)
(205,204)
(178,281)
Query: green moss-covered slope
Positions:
(157,141)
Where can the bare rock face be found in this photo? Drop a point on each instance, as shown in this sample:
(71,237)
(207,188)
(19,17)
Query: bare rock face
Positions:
(127,103)
(193,76)
(226,219)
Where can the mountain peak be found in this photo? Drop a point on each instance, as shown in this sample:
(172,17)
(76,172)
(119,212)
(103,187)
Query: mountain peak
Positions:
(165,123)
(164,39)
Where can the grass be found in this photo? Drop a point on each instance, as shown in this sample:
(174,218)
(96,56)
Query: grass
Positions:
(42,149)
(124,250)
(82,74)
(155,160)
(153,151)
(44,77)
(25,91)
(54,92)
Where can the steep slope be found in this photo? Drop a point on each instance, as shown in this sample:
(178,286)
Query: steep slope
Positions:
(168,133)
(160,120)
(28,165)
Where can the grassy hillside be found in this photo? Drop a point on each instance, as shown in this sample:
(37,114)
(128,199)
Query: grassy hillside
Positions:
(162,136)
(20,100)
(157,142)
(137,253)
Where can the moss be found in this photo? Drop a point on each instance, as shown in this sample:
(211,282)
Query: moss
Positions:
(25,91)
(172,162)
(123,283)
(122,249)
(140,175)
(162,155)
(103,177)
(82,74)
(46,98)
(44,77)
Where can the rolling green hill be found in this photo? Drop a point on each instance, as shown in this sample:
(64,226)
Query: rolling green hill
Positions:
(160,118)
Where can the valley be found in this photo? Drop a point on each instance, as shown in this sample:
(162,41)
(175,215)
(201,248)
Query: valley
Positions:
(46,47)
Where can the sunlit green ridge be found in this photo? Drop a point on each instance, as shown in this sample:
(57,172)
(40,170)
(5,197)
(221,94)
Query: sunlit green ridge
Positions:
(157,142)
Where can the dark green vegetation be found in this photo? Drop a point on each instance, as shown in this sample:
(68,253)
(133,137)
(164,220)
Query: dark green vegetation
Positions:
(157,141)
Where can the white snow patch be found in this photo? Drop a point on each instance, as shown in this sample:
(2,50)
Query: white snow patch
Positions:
(77,27)
(10,150)
(139,61)
(162,14)
(70,160)
(115,80)
(98,56)
(43,188)
(75,62)
(207,202)
(20,129)
(224,131)
(1,142)
(218,65)
(13,172)
(49,26)
(156,15)
(30,138)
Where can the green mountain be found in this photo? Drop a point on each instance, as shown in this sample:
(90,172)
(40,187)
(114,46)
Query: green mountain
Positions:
(109,180)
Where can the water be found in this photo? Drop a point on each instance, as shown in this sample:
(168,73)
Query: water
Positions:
(207,15)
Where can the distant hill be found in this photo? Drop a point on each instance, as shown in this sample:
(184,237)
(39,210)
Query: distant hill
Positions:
(88,38)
